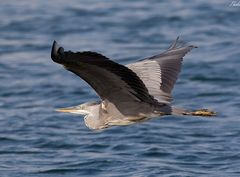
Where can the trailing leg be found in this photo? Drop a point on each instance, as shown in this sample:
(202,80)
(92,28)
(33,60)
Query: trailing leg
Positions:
(200,112)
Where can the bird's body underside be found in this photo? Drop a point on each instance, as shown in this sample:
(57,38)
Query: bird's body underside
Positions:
(132,93)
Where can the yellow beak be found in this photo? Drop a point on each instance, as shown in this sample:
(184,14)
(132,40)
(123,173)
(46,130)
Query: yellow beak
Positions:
(68,109)
(73,110)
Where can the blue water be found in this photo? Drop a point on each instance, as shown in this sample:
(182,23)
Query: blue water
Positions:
(36,141)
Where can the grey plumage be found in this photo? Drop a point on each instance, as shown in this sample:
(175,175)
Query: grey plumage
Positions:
(130,93)
(159,73)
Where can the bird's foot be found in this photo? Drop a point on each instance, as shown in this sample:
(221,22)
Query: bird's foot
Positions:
(203,112)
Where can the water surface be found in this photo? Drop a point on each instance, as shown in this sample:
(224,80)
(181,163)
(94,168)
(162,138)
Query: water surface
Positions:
(39,142)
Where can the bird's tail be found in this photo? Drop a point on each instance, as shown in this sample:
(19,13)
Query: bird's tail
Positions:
(200,112)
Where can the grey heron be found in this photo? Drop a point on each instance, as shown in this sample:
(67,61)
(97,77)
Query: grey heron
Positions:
(129,94)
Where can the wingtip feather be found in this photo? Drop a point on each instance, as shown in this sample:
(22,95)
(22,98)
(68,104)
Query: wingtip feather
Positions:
(177,43)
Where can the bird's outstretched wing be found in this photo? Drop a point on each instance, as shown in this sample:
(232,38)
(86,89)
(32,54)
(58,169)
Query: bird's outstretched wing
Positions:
(112,81)
(159,73)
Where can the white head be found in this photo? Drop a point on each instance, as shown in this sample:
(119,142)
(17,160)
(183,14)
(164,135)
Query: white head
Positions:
(90,111)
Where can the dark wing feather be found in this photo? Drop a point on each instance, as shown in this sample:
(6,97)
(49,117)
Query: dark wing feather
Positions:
(110,80)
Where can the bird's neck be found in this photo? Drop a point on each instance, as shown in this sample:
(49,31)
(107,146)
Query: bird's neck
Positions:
(94,120)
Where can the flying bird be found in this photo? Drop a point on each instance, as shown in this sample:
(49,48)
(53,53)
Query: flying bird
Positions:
(129,93)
